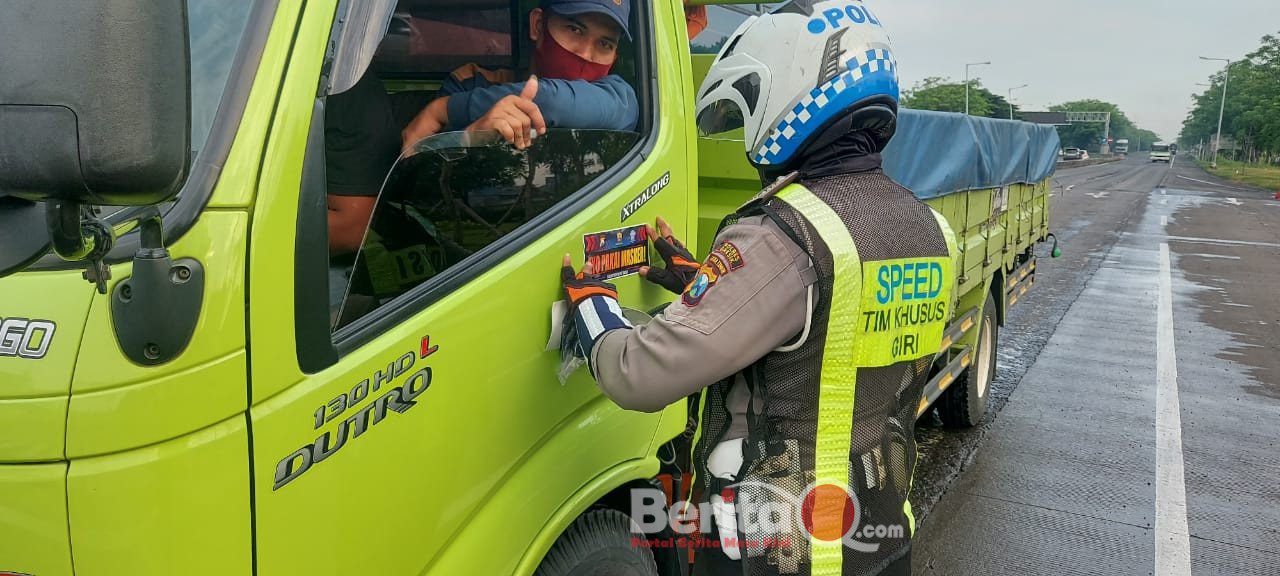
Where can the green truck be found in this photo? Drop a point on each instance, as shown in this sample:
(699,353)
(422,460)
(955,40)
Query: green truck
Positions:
(223,396)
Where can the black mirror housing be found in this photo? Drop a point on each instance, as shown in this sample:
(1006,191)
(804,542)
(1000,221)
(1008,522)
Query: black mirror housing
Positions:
(95,100)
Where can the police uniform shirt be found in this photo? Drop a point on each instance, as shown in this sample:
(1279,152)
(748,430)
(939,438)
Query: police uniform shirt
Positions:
(749,298)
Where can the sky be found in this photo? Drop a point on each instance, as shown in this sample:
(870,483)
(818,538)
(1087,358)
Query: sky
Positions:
(1142,55)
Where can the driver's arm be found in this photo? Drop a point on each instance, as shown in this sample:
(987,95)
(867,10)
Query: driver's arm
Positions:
(361,143)
(348,218)
(606,104)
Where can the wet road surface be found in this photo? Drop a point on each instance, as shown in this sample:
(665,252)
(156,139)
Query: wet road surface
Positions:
(1135,416)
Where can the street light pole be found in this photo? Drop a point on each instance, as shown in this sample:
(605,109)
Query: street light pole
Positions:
(966,83)
(1011,98)
(1222,107)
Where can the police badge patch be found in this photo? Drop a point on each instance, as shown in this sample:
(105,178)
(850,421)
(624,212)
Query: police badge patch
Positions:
(724,259)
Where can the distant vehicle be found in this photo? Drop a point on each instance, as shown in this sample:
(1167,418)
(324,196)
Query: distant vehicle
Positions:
(1122,146)
(1072,154)
(1161,152)
(1084,154)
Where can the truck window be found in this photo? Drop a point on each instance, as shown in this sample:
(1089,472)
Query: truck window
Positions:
(420,42)
(462,193)
(722,21)
(215,28)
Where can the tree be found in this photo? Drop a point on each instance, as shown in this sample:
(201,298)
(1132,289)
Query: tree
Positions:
(1251,117)
(1140,140)
(1089,136)
(943,95)
(710,48)
(999,106)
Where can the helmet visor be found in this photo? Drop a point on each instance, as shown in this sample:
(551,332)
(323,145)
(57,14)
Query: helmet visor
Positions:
(720,117)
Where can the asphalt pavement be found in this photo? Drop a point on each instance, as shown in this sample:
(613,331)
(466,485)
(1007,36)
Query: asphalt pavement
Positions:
(1135,415)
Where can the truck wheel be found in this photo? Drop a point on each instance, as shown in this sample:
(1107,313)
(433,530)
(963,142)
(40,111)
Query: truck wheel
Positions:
(965,402)
(598,543)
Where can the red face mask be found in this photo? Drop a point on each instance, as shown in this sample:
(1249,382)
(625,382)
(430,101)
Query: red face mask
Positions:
(553,61)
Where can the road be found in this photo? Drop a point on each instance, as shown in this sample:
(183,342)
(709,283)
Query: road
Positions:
(1135,421)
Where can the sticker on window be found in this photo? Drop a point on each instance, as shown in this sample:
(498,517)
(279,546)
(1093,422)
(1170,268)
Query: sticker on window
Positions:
(616,253)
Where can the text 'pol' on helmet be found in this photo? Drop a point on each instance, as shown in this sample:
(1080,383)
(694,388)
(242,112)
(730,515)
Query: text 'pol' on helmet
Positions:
(788,76)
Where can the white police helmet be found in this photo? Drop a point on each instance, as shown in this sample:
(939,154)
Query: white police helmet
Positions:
(789,76)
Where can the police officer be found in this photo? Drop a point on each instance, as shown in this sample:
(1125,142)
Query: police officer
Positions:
(809,330)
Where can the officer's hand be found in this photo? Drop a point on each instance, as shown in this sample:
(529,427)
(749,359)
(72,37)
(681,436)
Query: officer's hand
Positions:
(515,116)
(681,267)
(580,286)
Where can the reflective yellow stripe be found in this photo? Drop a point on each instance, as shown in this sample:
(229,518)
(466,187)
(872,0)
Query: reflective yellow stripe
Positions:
(838,380)
(953,248)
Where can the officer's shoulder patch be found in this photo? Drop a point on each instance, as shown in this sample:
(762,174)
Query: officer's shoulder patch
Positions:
(725,259)
(730,254)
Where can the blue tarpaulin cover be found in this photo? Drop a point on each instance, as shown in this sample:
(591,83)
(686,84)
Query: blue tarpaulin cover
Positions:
(937,153)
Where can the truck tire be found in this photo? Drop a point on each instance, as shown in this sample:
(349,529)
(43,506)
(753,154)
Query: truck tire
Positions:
(598,543)
(965,402)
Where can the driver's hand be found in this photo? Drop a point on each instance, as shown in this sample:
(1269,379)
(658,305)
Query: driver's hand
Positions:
(429,122)
(681,266)
(514,117)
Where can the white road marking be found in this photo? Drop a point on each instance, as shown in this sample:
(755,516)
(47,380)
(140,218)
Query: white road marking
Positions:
(1220,241)
(1233,202)
(1173,540)
(1213,183)
(1164,220)
(1201,240)
(1097,195)
(1070,187)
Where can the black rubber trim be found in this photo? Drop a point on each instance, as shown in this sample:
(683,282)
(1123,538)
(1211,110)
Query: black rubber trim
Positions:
(182,214)
(361,331)
(311,257)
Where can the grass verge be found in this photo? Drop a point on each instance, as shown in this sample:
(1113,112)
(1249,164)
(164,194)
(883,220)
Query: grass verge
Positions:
(1262,176)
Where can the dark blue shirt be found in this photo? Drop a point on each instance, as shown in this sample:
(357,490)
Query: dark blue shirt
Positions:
(606,104)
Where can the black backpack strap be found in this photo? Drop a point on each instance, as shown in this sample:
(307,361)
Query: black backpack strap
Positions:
(753,206)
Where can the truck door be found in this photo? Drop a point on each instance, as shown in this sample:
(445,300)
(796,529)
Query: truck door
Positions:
(405,411)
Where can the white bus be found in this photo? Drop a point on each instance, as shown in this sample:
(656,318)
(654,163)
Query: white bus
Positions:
(1160,152)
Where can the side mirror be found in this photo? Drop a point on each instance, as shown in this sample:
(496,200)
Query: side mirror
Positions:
(23,235)
(94,108)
